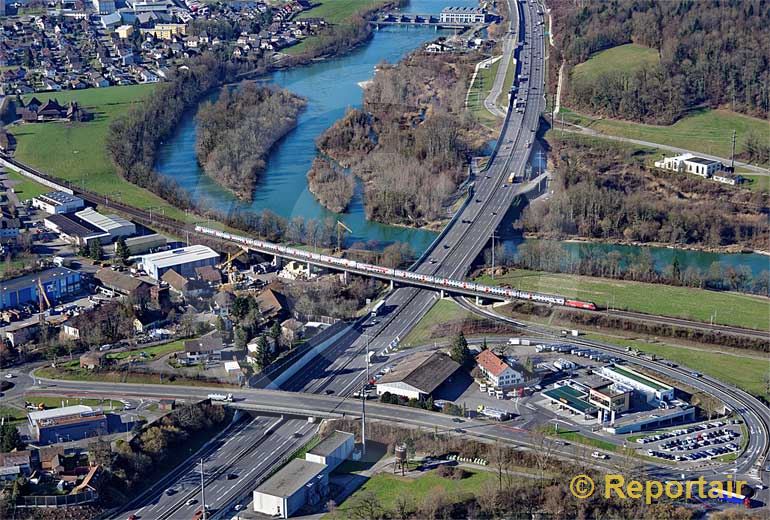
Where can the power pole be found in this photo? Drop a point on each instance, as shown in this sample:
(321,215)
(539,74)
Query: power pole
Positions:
(732,157)
(203,494)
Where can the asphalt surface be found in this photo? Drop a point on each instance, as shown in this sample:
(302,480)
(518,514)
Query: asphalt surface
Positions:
(341,368)
(753,463)
(234,464)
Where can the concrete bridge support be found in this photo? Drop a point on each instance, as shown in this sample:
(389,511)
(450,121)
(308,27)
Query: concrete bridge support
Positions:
(392,285)
(479,301)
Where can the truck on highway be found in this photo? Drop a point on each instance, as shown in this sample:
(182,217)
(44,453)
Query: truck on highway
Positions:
(377,307)
(227,398)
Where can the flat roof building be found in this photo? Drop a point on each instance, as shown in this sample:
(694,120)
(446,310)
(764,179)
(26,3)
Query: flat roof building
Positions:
(68,423)
(574,400)
(295,486)
(57,282)
(145,243)
(183,260)
(74,230)
(652,389)
(689,163)
(652,420)
(463,15)
(419,376)
(333,450)
(57,202)
(114,225)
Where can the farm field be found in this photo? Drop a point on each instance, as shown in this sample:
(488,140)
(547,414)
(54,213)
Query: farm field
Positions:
(657,299)
(703,130)
(75,151)
(623,58)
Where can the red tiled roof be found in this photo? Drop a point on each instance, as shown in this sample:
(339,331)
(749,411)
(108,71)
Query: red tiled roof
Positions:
(491,363)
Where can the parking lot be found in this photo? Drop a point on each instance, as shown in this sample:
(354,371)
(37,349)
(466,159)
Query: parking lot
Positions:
(694,442)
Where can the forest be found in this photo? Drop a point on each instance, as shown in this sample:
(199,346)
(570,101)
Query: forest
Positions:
(606,191)
(236,132)
(712,53)
(411,142)
(330,184)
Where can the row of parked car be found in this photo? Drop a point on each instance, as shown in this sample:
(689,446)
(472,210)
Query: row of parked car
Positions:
(683,431)
(690,443)
(696,455)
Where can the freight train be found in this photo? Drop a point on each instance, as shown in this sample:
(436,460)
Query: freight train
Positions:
(439,281)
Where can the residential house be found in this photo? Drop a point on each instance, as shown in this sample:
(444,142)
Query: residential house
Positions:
(499,373)
(203,348)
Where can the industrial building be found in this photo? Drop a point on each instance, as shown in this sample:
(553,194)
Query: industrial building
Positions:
(57,202)
(652,420)
(183,260)
(610,399)
(299,484)
(499,373)
(145,243)
(58,283)
(463,15)
(75,230)
(654,391)
(69,423)
(419,376)
(333,450)
(113,225)
(570,398)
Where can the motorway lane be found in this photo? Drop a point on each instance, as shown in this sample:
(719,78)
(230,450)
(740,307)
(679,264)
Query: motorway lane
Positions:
(247,452)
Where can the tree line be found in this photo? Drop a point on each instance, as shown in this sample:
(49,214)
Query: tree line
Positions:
(712,53)
(235,133)
(607,191)
(411,141)
(132,140)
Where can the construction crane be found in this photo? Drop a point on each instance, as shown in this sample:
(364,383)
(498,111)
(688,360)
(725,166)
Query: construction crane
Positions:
(340,228)
(227,265)
(42,296)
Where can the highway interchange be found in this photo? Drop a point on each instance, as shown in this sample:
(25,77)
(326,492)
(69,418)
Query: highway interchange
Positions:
(322,388)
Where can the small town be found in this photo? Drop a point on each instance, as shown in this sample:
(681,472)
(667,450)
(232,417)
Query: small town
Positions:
(384,259)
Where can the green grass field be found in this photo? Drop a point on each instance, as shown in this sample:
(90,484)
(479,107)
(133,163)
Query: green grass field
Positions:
(12,414)
(57,402)
(479,91)
(388,488)
(442,312)
(75,151)
(704,130)
(502,99)
(664,300)
(623,58)
(757,182)
(338,11)
(25,188)
(152,352)
(746,372)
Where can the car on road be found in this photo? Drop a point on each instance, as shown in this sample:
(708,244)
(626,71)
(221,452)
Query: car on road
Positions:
(190,501)
(599,455)
(233,476)
(133,517)
(432,260)
(170,491)
(446,246)
(238,507)
(494,213)
(9,376)
(329,392)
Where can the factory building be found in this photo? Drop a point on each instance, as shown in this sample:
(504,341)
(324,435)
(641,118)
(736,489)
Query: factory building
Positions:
(333,450)
(653,390)
(145,243)
(463,15)
(113,225)
(57,282)
(69,423)
(74,230)
(183,261)
(299,484)
(419,376)
(688,163)
(57,202)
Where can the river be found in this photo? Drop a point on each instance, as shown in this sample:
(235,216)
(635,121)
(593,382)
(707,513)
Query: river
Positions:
(331,86)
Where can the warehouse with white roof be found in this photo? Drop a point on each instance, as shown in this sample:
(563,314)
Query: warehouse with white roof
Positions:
(183,260)
(114,225)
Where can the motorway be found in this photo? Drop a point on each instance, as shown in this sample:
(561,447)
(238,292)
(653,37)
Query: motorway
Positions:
(234,464)
(340,368)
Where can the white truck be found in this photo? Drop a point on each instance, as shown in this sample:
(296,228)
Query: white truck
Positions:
(227,398)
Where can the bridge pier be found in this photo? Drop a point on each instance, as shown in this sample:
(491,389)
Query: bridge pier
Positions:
(441,294)
(345,277)
(276,261)
(309,272)
(391,285)
(479,301)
